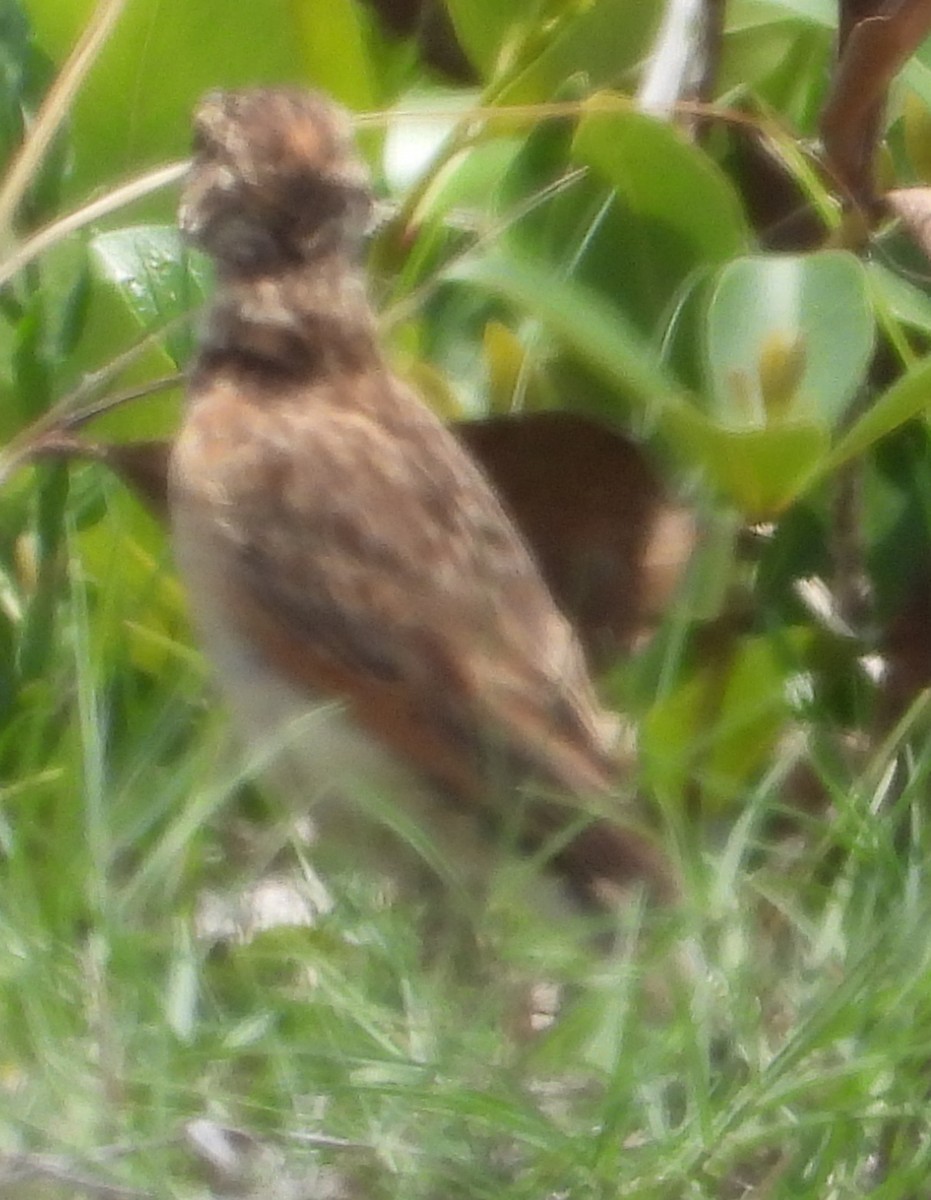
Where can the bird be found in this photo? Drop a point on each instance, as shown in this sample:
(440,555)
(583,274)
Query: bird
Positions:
(375,618)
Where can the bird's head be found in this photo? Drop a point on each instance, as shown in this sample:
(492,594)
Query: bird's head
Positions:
(275,180)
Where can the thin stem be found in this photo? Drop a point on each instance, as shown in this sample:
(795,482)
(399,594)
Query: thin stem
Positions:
(55,108)
(135,189)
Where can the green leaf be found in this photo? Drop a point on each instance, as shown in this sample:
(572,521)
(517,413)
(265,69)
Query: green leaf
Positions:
(600,40)
(916,73)
(653,218)
(37,637)
(745,13)
(760,470)
(488,30)
(600,334)
(134,108)
(30,362)
(140,279)
(334,39)
(534,186)
(904,300)
(25,75)
(780,52)
(907,398)
(717,729)
(157,277)
(694,212)
(814,307)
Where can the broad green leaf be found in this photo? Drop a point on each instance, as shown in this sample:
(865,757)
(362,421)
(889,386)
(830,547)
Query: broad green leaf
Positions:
(783,57)
(147,272)
(334,40)
(692,209)
(140,280)
(490,31)
(807,316)
(744,13)
(760,470)
(904,300)
(627,256)
(535,186)
(601,335)
(601,40)
(668,219)
(134,108)
(157,277)
(577,227)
